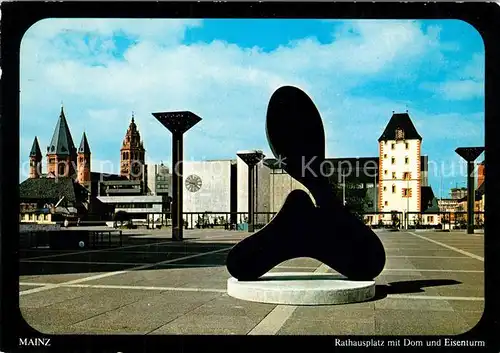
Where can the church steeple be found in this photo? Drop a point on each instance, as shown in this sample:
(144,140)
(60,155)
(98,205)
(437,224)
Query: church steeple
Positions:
(132,153)
(84,145)
(35,160)
(62,142)
(84,173)
(61,152)
(35,149)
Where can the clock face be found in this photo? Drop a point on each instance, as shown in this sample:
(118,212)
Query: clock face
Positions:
(193,183)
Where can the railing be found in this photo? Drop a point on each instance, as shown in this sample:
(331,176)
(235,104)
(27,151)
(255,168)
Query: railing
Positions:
(443,220)
(204,220)
(226,220)
(383,220)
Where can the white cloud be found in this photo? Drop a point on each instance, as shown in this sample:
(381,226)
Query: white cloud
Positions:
(456,89)
(466,83)
(228,86)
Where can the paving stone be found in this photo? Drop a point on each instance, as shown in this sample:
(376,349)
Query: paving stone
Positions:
(355,311)
(58,278)
(209,324)
(23,288)
(187,312)
(413,305)
(467,306)
(399,263)
(51,296)
(59,268)
(148,314)
(329,327)
(471,317)
(462,292)
(414,322)
(226,305)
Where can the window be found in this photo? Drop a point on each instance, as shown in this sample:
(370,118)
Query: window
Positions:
(393,160)
(430,219)
(407,160)
(393,146)
(385,188)
(407,145)
(394,189)
(407,192)
(406,175)
(62,169)
(386,203)
(385,155)
(385,172)
(393,175)
(400,134)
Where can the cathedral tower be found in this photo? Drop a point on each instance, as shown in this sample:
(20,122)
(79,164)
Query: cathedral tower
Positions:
(61,153)
(132,156)
(35,160)
(84,161)
(399,166)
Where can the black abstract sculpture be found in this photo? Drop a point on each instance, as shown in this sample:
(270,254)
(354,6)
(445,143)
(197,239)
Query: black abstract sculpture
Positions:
(300,229)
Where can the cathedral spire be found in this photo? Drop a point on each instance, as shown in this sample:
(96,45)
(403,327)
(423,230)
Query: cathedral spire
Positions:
(84,145)
(62,142)
(61,152)
(132,153)
(35,149)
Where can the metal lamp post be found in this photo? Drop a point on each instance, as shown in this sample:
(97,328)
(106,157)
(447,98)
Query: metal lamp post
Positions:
(470,154)
(178,123)
(251,158)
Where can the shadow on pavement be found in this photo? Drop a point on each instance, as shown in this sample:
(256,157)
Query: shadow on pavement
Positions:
(405,287)
(36,262)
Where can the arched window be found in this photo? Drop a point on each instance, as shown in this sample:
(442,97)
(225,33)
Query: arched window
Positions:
(62,169)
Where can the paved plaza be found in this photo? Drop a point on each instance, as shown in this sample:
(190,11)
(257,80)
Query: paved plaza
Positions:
(433,283)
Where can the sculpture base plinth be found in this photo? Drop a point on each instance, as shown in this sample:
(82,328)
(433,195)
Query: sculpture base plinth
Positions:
(301,288)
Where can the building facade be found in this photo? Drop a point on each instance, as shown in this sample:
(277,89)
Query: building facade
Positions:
(65,161)
(400,166)
(133,154)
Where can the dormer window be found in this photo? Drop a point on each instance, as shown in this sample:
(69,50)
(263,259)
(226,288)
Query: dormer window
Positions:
(400,135)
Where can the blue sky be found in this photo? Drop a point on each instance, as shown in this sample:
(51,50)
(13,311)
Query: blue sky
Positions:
(357,73)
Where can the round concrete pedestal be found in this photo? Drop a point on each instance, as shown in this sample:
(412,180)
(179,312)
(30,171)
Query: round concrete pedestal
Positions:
(301,288)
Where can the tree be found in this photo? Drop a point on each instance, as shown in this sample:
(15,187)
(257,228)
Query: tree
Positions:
(357,200)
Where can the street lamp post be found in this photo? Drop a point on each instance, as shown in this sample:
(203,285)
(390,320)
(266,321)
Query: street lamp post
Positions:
(251,158)
(470,154)
(178,123)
